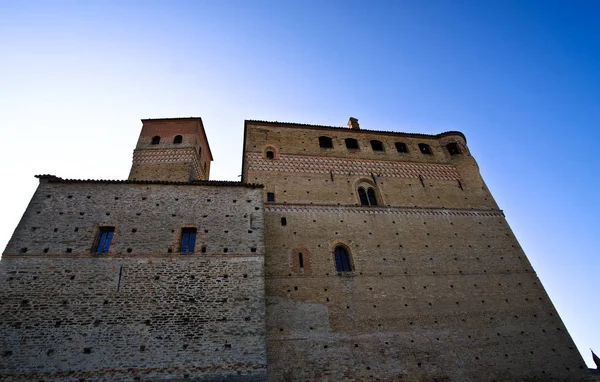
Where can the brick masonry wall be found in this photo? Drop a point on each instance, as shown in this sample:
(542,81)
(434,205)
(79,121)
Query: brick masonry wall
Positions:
(142,311)
(440,288)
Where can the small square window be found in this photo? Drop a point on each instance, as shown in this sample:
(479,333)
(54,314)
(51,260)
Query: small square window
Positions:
(325,142)
(351,143)
(453,148)
(376,145)
(104,239)
(188,240)
(270,197)
(425,149)
(401,147)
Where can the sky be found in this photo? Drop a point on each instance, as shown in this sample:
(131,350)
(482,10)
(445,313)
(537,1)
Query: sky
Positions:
(521,79)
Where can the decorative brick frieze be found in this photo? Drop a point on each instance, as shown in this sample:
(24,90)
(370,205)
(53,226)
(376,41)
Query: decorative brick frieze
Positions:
(330,209)
(159,156)
(323,165)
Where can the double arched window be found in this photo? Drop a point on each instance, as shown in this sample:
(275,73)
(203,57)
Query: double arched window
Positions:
(367,196)
(343,262)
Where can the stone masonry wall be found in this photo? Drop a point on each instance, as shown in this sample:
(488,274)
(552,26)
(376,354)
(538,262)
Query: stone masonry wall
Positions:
(440,288)
(143,311)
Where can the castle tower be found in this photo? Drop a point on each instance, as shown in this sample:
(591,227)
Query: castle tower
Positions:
(171,149)
(387,258)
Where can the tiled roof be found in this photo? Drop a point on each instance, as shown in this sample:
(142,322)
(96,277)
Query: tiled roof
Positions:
(415,135)
(219,183)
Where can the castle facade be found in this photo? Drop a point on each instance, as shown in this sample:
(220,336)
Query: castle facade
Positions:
(344,254)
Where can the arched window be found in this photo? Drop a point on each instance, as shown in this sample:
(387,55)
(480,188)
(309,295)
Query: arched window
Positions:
(270,155)
(367,197)
(401,147)
(351,143)
(178,139)
(453,148)
(376,145)
(155,140)
(342,259)
(325,142)
(425,149)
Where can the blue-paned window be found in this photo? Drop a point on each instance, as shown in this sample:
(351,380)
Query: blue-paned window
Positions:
(342,259)
(104,239)
(188,240)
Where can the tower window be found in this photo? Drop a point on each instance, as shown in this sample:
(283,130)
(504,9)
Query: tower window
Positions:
(104,239)
(188,240)
(300,260)
(155,140)
(351,143)
(270,155)
(367,197)
(376,145)
(325,143)
(453,148)
(178,139)
(425,149)
(283,221)
(401,147)
(270,197)
(342,259)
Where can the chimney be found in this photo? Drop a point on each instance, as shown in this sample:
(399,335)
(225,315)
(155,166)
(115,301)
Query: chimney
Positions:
(353,123)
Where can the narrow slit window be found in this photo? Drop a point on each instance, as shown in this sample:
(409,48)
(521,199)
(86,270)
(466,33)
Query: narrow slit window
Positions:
(270,155)
(178,139)
(155,140)
(376,145)
(342,259)
(425,149)
(325,143)
(453,148)
(104,239)
(270,197)
(401,147)
(188,240)
(283,221)
(301,260)
(351,143)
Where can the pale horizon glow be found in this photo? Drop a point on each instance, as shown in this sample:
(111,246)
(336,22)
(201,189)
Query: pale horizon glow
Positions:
(519,79)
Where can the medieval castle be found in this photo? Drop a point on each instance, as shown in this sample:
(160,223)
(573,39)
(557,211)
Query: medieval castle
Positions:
(343,254)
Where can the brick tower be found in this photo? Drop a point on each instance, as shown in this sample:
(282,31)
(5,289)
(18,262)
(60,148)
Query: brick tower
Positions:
(171,149)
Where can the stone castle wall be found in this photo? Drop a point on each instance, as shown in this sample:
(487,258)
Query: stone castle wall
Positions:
(440,288)
(142,311)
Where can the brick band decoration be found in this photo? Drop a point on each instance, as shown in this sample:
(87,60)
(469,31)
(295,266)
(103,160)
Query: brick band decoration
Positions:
(303,208)
(182,155)
(323,165)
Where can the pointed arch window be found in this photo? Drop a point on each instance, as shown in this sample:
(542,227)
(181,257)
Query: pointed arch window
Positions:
(342,259)
(368,196)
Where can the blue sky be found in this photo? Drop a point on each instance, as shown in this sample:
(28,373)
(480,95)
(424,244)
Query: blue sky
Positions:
(521,79)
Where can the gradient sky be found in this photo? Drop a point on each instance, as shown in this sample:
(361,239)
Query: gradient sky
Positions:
(521,79)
